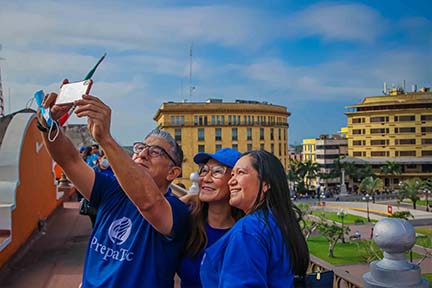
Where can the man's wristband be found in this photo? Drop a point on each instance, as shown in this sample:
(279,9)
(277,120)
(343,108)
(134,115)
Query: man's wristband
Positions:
(43,128)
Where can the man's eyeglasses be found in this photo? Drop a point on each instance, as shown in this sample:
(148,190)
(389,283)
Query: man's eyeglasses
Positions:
(153,151)
(216,172)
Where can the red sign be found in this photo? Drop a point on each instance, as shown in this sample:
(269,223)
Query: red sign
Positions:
(389,209)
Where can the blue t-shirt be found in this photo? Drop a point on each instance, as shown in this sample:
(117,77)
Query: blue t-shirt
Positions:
(251,254)
(189,270)
(124,249)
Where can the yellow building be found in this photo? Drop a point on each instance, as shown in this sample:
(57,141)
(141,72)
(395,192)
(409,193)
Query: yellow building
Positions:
(308,151)
(214,124)
(394,127)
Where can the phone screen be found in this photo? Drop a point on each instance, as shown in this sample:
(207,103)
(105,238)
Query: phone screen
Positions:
(73,91)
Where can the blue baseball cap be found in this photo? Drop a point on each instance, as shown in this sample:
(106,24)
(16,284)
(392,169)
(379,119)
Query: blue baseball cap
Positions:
(82,148)
(226,156)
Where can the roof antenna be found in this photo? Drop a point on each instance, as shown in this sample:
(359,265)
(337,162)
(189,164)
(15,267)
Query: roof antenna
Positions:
(2,114)
(191,88)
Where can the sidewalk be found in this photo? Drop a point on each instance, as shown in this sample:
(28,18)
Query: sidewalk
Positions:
(55,259)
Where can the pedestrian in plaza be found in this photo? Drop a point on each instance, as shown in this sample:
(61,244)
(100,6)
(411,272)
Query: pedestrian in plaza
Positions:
(140,229)
(211,215)
(266,248)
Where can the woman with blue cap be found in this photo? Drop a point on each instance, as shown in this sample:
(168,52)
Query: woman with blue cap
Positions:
(211,214)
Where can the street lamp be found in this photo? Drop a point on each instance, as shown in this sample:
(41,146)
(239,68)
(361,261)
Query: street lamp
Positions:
(367,198)
(426,191)
(341,214)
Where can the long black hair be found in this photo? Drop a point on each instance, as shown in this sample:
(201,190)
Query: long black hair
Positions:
(278,200)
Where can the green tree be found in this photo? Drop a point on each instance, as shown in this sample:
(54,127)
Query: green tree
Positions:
(295,175)
(411,189)
(310,170)
(392,169)
(370,185)
(332,232)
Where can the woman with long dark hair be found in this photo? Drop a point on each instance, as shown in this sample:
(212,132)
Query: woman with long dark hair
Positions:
(266,248)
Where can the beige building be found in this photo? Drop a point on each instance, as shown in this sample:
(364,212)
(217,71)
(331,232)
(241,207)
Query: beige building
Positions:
(214,124)
(394,127)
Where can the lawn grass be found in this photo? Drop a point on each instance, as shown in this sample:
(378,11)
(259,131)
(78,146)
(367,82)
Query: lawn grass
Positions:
(348,219)
(424,230)
(345,253)
(425,241)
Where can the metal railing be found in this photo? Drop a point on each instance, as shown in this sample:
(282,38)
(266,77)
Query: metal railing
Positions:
(342,278)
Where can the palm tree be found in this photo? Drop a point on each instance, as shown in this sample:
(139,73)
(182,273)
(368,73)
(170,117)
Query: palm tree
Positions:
(411,188)
(310,170)
(370,185)
(296,175)
(391,168)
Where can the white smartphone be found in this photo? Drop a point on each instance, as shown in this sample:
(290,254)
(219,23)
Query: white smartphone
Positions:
(73,91)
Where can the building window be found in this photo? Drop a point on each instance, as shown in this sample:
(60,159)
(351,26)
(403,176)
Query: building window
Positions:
(213,120)
(177,134)
(426,129)
(357,131)
(378,154)
(357,120)
(427,141)
(218,134)
(218,147)
(249,147)
(379,142)
(262,146)
(379,130)
(261,133)
(234,134)
(172,120)
(285,133)
(379,119)
(357,154)
(271,134)
(426,153)
(205,120)
(426,117)
(405,141)
(200,134)
(405,118)
(272,148)
(406,130)
(235,146)
(201,148)
(357,142)
(195,120)
(406,153)
(280,149)
(248,134)
(279,134)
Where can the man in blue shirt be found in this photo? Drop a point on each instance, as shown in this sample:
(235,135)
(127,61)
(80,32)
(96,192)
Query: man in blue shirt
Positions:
(140,229)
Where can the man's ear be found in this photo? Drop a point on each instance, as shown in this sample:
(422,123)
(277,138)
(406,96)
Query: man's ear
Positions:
(173,173)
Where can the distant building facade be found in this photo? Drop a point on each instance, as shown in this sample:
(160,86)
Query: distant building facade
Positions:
(394,127)
(214,124)
(328,149)
(308,151)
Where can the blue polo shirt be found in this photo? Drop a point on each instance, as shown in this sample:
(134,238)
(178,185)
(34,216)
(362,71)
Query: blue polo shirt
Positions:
(124,250)
(251,254)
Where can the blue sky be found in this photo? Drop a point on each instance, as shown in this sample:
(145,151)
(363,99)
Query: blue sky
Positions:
(314,57)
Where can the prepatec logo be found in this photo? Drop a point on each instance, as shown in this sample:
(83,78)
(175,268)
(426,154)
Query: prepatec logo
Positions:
(119,230)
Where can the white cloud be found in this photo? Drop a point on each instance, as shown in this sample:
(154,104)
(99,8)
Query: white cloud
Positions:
(342,22)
